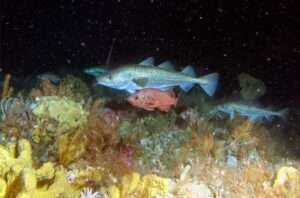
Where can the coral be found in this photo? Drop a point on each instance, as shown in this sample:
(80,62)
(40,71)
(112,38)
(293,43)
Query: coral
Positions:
(100,135)
(74,88)
(71,87)
(251,88)
(287,182)
(70,146)
(67,113)
(164,147)
(144,126)
(20,179)
(256,174)
(194,190)
(16,118)
(126,155)
(85,175)
(97,143)
(14,106)
(133,185)
(88,193)
(46,88)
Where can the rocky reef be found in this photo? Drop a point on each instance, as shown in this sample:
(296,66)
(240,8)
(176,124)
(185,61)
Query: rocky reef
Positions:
(61,141)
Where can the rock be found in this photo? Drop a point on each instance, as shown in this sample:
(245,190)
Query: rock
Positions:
(251,88)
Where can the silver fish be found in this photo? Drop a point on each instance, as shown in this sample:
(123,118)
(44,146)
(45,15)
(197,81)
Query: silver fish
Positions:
(49,76)
(135,77)
(253,112)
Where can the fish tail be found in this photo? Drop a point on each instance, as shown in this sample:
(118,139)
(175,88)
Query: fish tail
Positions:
(209,83)
(189,71)
(283,113)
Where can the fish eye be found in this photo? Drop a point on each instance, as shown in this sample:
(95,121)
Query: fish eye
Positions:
(136,97)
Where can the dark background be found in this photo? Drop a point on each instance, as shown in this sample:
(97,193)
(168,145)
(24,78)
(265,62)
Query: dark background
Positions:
(253,36)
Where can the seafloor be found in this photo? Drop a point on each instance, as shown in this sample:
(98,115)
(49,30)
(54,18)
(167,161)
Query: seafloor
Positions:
(62,140)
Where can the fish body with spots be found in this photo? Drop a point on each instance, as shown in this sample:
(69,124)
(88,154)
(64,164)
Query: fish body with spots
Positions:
(151,99)
(135,77)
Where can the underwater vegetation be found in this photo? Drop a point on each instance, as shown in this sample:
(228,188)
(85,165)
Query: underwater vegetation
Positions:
(59,140)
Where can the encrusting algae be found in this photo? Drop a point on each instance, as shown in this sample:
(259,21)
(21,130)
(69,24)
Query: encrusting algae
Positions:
(67,113)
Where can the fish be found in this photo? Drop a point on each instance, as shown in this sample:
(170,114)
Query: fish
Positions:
(251,111)
(134,77)
(151,99)
(96,71)
(49,76)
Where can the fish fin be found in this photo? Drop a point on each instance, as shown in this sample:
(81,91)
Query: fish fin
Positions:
(283,113)
(232,115)
(95,71)
(269,118)
(147,61)
(131,91)
(165,108)
(186,86)
(167,65)
(211,83)
(141,81)
(148,108)
(166,89)
(189,70)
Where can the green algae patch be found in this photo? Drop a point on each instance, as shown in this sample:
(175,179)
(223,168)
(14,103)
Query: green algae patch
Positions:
(67,113)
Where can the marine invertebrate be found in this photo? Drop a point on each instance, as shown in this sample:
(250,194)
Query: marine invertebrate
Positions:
(88,193)
(45,88)
(133,185)
(126,154)
(70,146)
(135,129)
(7,89)
(101,136)
(73,88)
(20,179)
(13,106)
(287,182)
(66,113)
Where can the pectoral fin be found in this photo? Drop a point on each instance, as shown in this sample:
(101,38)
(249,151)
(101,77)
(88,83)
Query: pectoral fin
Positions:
(140,81)
(147,61)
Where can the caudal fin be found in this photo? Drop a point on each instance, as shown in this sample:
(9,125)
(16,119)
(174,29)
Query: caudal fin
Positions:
(283,113)
(189,71)
(209,83)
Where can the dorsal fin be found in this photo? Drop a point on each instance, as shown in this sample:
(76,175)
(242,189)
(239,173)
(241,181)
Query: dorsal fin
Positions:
(148,61)
(167,65)
(189,70)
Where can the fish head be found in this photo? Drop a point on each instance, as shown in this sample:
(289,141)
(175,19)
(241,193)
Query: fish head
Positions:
(135,99)
(95,71)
